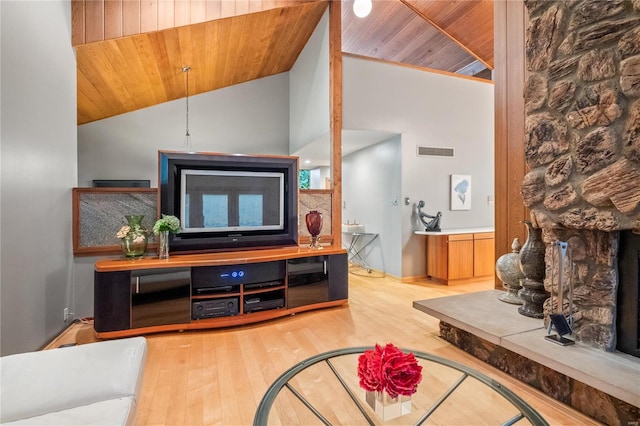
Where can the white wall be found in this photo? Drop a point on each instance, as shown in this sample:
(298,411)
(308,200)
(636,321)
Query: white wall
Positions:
(371,180)
(248,118)
(427,109)
(318,177)
(38,134)
(309,95)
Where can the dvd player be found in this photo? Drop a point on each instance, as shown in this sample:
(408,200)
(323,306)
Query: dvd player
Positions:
(219,289)
(255,304)
(256,286)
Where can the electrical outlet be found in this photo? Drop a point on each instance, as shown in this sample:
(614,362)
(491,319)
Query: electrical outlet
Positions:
(66,314)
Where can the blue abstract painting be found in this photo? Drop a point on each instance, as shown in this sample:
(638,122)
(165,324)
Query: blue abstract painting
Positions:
(460,192)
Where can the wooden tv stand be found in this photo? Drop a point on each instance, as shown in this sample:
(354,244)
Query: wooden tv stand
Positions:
(212,290)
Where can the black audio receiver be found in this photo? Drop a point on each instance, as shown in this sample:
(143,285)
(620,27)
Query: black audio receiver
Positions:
(213,308)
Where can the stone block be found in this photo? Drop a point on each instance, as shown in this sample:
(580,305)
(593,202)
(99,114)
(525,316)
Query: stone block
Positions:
(544,35)
(597,65)
(596,150)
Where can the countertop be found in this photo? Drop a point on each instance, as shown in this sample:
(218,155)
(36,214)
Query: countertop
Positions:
(456,231)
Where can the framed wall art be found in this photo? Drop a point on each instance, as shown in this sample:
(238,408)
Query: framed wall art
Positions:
(460,192)
(98,214)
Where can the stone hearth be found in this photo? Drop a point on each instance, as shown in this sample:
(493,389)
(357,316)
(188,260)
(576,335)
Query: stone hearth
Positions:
(582,145)
(601,384)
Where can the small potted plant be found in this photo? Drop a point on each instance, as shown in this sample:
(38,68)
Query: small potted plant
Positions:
(161,228)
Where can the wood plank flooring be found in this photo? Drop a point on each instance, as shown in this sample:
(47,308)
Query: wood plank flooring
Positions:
(219,376)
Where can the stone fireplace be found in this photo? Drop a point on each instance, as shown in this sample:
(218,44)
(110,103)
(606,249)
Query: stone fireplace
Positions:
(582,146)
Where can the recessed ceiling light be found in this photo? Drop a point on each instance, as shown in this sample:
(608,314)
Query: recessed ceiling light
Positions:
(307,161)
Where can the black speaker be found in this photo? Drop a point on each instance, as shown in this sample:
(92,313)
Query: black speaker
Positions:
(121,183)
(112,301)
(338,276)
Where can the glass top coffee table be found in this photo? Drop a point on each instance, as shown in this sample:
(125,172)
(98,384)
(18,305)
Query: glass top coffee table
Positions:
(324,389)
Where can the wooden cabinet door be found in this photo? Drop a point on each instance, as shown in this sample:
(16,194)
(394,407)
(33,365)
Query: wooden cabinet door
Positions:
(460,252)
(437,264)
(483,254)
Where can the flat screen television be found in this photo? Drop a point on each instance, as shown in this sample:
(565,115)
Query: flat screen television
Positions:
(229,201)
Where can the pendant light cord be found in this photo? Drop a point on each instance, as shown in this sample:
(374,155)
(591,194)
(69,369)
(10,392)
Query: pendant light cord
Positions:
(187,137)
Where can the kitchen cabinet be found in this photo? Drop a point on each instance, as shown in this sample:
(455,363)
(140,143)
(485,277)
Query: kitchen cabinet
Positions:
(455,257)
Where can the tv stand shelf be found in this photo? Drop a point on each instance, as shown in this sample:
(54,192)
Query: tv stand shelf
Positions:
(212,290)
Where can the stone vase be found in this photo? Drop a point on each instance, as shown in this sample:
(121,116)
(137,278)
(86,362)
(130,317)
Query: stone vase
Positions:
(509,272)
(532,266)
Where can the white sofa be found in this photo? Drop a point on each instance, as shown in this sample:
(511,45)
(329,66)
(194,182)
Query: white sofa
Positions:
(92,384)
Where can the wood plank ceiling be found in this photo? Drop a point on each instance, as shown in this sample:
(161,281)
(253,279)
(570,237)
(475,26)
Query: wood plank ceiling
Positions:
(441,35)
(129,72)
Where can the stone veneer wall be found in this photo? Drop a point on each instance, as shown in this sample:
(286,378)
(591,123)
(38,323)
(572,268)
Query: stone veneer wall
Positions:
(582,144)
(582,397)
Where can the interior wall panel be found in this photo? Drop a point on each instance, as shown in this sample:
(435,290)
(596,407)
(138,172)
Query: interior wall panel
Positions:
(182,13)
(166,14)
(94,21)
(113,19)
(130,17)
(509,78)
(77,22)
(148,16)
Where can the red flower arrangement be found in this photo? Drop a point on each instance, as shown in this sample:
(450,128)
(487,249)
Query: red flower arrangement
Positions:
(389,369)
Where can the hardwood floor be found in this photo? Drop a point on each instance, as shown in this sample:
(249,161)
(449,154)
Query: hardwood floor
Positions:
(220,376)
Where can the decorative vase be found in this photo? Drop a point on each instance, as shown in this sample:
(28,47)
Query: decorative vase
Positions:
(387,408)
(134,244)
(509,272)
(313,220)
(532,266)
(163,245)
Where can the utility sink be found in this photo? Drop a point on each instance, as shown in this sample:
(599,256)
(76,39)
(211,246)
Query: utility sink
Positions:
(349,228)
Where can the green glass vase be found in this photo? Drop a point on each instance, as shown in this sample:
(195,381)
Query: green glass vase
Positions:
(134,244)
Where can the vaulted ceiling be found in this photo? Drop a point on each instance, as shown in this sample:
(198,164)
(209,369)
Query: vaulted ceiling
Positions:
(142,63)
(441,35)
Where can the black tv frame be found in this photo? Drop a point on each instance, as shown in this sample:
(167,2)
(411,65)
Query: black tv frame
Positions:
(170,164)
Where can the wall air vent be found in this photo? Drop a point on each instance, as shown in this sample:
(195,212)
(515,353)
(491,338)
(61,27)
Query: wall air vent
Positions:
(427,151)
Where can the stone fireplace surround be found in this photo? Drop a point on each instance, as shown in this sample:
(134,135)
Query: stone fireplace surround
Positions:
(582,146)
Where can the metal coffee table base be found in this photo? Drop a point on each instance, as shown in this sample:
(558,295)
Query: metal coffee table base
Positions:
(262,412)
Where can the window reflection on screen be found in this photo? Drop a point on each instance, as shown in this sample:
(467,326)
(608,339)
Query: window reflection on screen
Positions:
(214,209)
(232,201)
(250,211)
